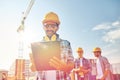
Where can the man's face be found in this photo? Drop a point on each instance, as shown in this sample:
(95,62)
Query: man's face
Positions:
(80,54)
(50,28)
(97,53)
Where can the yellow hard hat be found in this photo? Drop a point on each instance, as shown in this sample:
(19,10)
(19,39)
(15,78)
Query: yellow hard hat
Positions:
(51,17)
(97,49)
(79,49)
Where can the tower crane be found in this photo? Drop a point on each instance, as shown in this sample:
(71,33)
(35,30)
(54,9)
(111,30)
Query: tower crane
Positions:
(20,61)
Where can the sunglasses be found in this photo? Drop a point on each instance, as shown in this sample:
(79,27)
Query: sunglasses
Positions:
(50,25)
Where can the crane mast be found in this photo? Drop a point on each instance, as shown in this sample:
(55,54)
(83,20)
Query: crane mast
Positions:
(20,61)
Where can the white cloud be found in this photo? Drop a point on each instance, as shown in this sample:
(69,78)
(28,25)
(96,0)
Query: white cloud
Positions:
(112,31)
(111,36)
(116,23)
(104,26)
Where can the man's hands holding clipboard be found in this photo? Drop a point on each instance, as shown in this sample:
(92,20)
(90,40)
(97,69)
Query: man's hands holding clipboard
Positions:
(60,65)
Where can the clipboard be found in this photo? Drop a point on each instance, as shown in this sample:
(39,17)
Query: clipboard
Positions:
(43,52)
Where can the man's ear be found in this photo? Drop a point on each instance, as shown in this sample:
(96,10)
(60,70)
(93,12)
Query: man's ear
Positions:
(57,28)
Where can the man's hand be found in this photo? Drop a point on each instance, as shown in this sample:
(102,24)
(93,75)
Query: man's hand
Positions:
(82,69)
(76,70)
(32,64)
(105,74)
(32,67)
(60,65)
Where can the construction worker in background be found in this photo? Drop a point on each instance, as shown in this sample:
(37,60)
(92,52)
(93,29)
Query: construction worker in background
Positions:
(102,66)
(63,67)
(82,67)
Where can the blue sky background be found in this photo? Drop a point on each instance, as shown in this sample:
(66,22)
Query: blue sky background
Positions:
(85,23)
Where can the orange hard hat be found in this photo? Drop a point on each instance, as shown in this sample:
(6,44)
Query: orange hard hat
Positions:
(79,49)
(97,49)
(51,17)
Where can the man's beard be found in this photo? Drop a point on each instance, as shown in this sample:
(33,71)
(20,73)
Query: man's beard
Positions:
(50,33)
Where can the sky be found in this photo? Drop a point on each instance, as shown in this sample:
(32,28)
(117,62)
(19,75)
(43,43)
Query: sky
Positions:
(84,23)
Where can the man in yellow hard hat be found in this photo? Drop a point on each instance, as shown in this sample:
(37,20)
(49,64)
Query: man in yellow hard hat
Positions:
(102,65)
(63,65)
(82,67)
